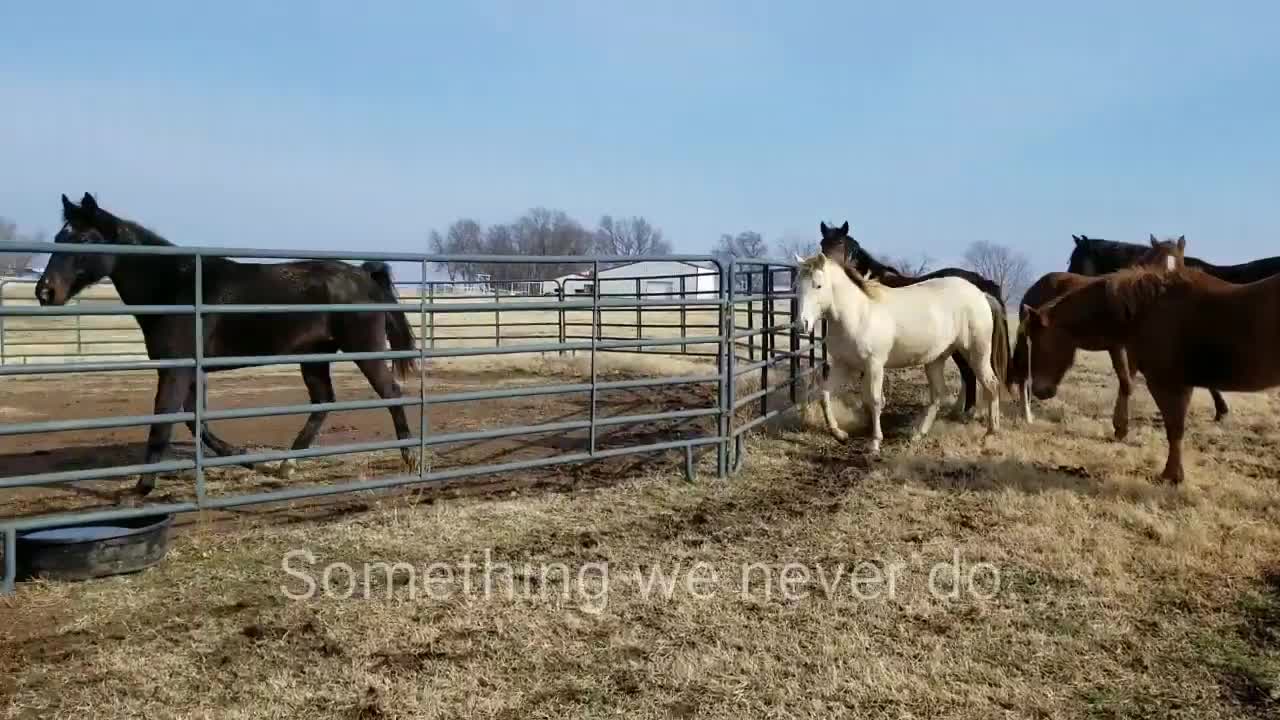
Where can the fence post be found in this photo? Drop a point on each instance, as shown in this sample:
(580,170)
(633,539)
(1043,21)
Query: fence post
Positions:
(560,313)
(751,317)
(8,586)
(724,289)
(199,379)
(2,350)
(731,453)
(422,375)
(430,317)
(79,350)
(767,339)
(497,319)
(639,315)
(793,337)
(595,331)
(684,349)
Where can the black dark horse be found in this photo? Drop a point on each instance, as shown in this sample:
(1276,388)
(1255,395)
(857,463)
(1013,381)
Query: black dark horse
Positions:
(837,243)
(170,280)
(1094,256)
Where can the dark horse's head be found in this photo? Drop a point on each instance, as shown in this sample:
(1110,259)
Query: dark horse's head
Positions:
(1094,256)
(67,273)
(838,244)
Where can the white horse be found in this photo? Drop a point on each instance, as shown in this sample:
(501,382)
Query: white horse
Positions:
(871,327)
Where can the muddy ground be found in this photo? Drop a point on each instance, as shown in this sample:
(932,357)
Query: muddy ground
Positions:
(104,395)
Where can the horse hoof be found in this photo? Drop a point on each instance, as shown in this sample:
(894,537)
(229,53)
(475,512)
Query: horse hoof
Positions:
(285,469)
(144,487)
(840,435)
(410,464)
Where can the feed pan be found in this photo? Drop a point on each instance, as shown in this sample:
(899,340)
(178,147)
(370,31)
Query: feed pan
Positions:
(92,550)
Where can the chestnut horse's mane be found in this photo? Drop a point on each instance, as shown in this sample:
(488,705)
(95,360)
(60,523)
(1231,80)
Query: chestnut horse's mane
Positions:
(1131,290)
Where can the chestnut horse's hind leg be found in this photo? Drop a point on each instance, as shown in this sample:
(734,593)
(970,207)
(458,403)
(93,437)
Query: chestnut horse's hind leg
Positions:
(384,383)
(1173,404)
(1220,408)
(1120,415)
(171,390)
(320,390)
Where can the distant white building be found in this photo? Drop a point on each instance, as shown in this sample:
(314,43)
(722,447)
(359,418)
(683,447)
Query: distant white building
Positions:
(651,278)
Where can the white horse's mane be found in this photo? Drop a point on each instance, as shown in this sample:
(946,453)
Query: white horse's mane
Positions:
(869,287)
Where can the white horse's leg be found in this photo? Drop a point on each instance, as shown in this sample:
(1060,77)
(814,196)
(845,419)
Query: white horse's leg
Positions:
(934,371)
(873,396)
(835,380)
(1026,401)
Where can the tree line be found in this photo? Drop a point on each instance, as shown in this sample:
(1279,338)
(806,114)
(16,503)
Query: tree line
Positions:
(544,232)
(540,233)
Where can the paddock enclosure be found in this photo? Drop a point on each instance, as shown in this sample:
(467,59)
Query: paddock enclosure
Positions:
(520,384)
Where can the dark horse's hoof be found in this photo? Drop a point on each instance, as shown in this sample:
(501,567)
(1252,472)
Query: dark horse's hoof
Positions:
(145,485)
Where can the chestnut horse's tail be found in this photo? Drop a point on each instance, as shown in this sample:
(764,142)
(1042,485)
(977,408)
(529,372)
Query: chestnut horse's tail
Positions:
(399,332)
(999,340)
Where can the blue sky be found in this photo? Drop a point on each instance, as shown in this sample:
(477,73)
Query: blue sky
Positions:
(926,125)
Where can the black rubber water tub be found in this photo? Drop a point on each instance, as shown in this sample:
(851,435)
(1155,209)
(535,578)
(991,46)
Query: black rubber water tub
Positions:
(93,550)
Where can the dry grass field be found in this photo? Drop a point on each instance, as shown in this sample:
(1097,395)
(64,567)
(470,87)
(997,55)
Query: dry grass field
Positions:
(1087,591)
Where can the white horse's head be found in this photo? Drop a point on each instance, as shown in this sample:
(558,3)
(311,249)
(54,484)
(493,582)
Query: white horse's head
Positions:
(814,290)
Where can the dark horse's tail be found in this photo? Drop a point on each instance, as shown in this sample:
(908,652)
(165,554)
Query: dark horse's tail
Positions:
(399,332)
(999,340)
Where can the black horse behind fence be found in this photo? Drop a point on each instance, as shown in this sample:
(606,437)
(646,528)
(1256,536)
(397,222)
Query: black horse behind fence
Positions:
(837,243)
(1095,256)
(170,280)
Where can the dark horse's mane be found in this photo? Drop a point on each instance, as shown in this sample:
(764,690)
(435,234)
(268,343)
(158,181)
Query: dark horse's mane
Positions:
(1108,256)
(890,276)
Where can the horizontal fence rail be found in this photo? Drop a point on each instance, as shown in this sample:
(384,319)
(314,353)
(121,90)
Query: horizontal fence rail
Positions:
(731,319)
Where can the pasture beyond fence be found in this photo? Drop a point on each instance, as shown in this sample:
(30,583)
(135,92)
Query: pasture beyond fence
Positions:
(741,333)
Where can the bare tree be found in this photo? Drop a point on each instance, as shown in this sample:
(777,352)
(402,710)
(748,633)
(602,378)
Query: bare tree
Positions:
(462,238)
(1005,266)
(15,263)
(746,244)
(923,264)
(629,236)
(792,245)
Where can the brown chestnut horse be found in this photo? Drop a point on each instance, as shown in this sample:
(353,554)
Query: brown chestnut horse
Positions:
(1162,254)
(1182,330)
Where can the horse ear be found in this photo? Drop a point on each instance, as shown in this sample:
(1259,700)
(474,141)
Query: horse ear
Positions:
(844,229)
(68,208)
(823,226)
(1154,242)
(1182,243)
(88,204)
(1079,239)
(799,260)
(1030,313)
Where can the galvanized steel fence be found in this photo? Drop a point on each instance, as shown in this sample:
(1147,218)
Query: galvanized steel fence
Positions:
(761,367)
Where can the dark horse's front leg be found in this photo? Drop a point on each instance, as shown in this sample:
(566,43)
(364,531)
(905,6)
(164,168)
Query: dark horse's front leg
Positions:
(1220,408)
(172,387)
(969,383)
(215,443)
